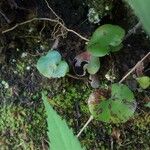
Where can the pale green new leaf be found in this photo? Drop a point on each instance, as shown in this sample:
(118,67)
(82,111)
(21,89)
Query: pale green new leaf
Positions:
(60,136)
(51,65)
(61,70)
(143,81)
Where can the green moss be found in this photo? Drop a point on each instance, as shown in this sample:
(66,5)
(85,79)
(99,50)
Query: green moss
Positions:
(22,128)
(5,90)
(71,95)
(25,127)
(142,122)
(20,67)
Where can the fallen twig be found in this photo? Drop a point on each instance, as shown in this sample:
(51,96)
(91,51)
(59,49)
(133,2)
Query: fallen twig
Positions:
(86,124)
(58,21)
(25,22)
(133,69)
(5,17)
(44,19)
(62,23)
(53,11)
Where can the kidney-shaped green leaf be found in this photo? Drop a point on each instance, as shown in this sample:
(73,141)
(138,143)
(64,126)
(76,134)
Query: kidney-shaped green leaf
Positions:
(119,107)
(105,38)
(52,66)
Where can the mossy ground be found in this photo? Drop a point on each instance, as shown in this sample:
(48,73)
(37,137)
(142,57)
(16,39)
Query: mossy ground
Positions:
(23,121)
(23,125)
(22,128)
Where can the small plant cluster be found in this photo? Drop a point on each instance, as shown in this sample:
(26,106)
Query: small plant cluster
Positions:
(104,104)
(106,39)
(116,104)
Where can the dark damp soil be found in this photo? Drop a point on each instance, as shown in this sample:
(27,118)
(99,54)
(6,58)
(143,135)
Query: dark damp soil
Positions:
(23,120)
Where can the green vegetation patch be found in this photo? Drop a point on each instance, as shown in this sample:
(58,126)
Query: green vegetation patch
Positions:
(72,95)
(22,128)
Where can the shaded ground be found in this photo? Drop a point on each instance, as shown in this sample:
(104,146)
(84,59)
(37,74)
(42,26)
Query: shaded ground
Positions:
(23,124)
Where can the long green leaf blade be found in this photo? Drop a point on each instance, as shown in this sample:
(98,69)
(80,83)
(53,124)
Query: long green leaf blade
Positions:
(60,136)
(142,10)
